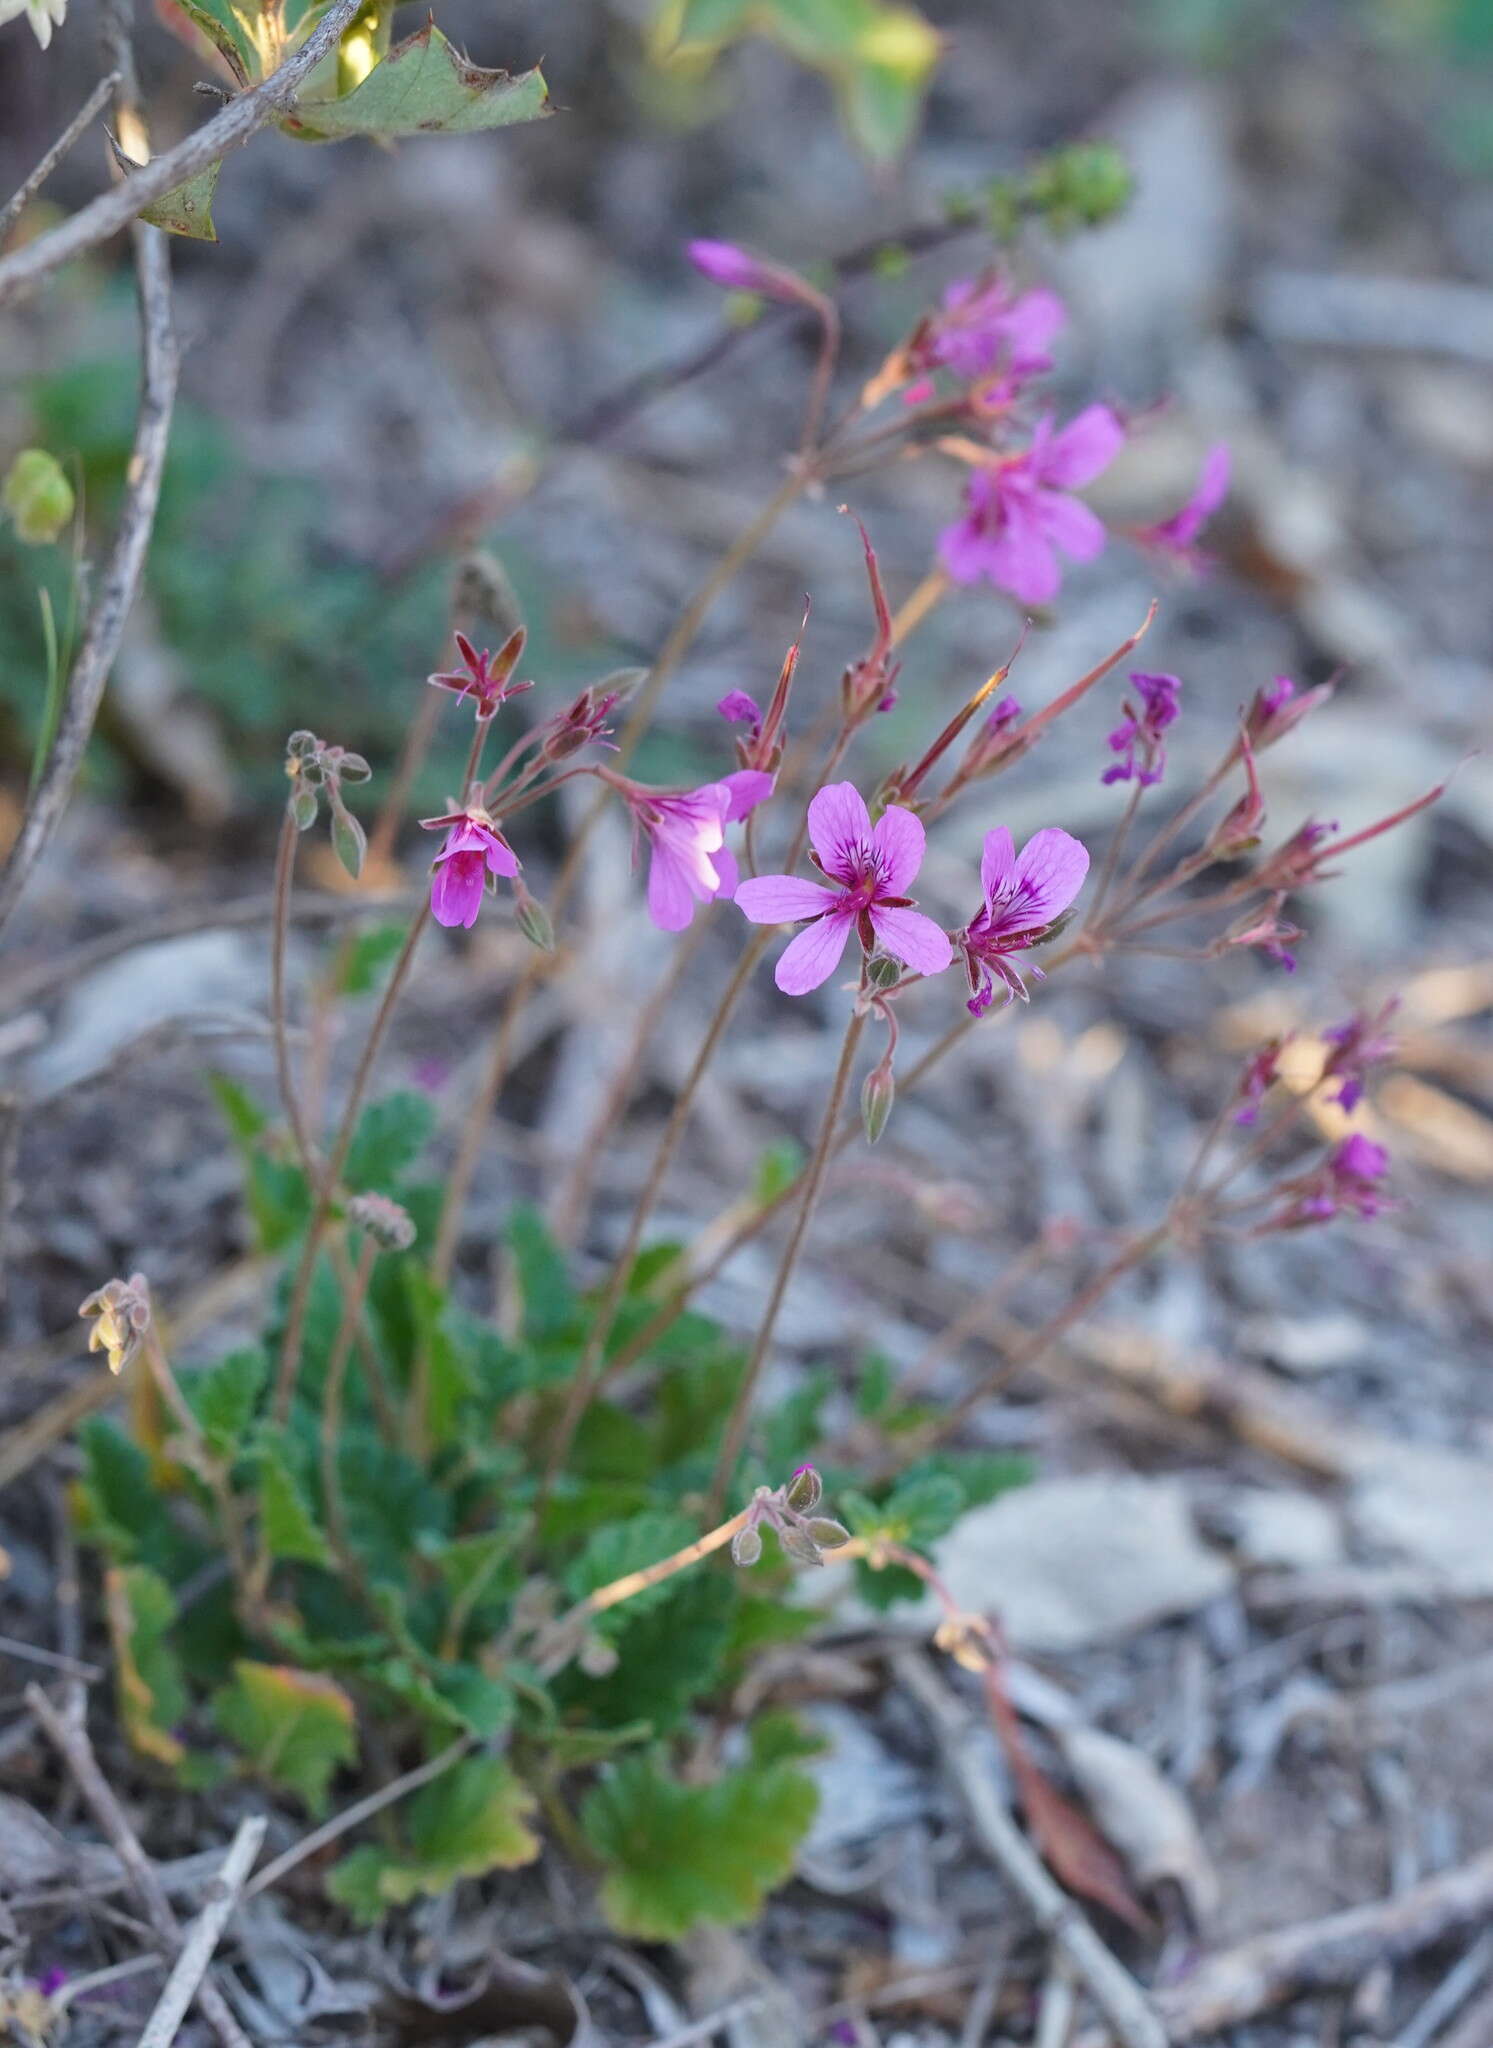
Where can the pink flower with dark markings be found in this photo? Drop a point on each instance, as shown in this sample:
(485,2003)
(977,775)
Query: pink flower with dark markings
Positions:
(486,678)
(1176,536)
(686,833)
(871,868)
(474,849)
(1025,894)
(1138,739)
(1020,515)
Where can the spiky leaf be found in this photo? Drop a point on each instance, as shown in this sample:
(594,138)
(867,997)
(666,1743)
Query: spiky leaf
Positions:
(424,87)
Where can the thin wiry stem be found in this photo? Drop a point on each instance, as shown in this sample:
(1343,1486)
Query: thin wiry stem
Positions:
(79,125)
(242,117)
(813,1181)
(285,853)
(331,1405)
(326,1190)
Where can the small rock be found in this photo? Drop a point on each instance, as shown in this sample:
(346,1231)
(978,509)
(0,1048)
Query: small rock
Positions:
(1066,1563)
(1291,1530)
(1304,1344)
(1432,1506)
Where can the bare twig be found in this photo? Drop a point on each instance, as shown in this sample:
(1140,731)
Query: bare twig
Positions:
(86,115)
(353,1816)
(121,578)
(1114,1991)
(113,210)
(207,1930)
(76,1751)
(1227,1989)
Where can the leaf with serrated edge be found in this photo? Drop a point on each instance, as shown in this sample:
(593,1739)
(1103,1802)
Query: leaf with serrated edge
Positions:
(295,1727)
(424,87)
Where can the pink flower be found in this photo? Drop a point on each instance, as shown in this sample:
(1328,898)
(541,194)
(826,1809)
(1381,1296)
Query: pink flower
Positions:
(983,326)
(1261,1072)
(1025,893)
(474,849)
(1347,1183)
(687,833)
(485,677)
(1267,931)
(1175,536)
(1138,740)
(872,869)
(1274,711)
(1020,515)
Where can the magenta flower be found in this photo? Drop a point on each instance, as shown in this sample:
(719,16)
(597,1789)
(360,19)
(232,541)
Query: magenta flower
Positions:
(983,326)
(1020,515)
(687,834)
(1274,711)
(1025,894)
(1347,1183)
(1358,1046)
(740,707)
(485,677)
(1138,740)
(737,270)
(1266,931)
(1261,1072)
(871,868)
(474,849)
(1176,536)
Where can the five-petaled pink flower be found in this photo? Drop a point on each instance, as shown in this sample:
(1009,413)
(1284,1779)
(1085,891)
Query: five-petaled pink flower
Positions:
(871,868)
(687,834)
(485,677)
(1020,515)
(474,849)
(1025,894)
(1177,536)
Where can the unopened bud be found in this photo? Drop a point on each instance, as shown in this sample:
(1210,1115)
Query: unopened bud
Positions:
(533,919)
(804,1490)
(38,496)
(597,1657)
(746,1545)
(878,1093)
(390,1226)
(827,1533)
(349,841)
(302,805)
(883,971)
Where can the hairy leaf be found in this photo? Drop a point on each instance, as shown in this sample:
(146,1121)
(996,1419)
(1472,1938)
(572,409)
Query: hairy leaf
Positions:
(424,87)
(390,1137)
(472,1819)
(295,1727)
(677,1855)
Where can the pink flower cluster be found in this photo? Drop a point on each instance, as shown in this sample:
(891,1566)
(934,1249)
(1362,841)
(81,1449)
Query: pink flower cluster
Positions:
(1020,513)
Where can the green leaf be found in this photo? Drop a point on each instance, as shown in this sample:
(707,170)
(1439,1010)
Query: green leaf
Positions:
(424,87)
(245,1118)
(228,33)
(187,209)
(152,1695)
(295,1727)
(472,1819)
(623,1547)
(678,1855)
(390,1137)
(363,960)
(874,1393)
(782,1738)
(224,1397)
(668,1655)
(287,1526)
(549,1303)
(778,1168)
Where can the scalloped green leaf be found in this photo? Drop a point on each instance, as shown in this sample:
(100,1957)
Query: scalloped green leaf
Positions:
(425,86)
(295,1727)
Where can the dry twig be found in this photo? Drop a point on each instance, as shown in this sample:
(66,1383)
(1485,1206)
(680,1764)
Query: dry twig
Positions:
(1114,1991)
(76,1751)
(78,126)
(182,1985)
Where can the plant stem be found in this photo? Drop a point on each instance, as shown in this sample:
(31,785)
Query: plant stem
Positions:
(285,853)
(673,651)
(412,754)
(583,1385)
(331,1407)
(1112,858)
(566,1632)
(326,1190)
(813,1181)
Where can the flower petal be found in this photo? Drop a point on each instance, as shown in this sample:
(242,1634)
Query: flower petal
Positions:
(673,889)
(501,858)
(456,891)
(728,874)
(813,956)
(839,826)
(782,899)
(1050,871)
(913,939)
(898,842)
(1088,444)
(1070,525)
(997,862)
(747,788)
(964,550)
(1023,562)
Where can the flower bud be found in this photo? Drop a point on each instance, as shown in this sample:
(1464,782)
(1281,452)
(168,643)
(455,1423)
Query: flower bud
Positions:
(38,496)
(746,1545)
(533,919)
(121,1313)
(878,1093)
(883,971)
(349,841)
(804,1490)
(827,1533)
(302,805)
(390,1226)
